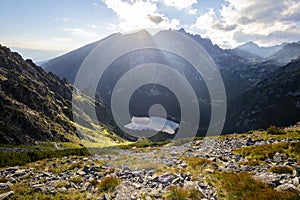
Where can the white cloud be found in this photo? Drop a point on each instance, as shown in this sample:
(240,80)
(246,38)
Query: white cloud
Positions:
(92,26)
(180,4)
(265,22)
(192,11)
(139,15)
(95,4)
(63,19)
(81,32)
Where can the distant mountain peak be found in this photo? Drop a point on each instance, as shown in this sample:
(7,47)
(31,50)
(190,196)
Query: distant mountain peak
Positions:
(264,52)
(249,44)
(182,30)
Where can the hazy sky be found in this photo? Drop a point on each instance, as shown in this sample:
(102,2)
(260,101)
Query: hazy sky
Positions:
(41,29)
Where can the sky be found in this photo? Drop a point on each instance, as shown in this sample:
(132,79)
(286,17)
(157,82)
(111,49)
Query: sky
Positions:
(43,29)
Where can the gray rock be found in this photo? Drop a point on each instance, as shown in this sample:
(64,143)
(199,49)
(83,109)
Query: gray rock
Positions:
(277,157)
(287,187)
(106,196)
(88,196)
(183,165)
(81,173)
(5,185)
(148,198)
(20,172)
(165,179)
(6,195)
(296,171)
(86,186)
(269,178)
(296,181)
(249,142)
(215,166)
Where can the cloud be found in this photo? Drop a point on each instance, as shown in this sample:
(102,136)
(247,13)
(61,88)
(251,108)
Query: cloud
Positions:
(192,11)
(81,32)
(139,15)
(92,26)
(63,19)
(95,4)
(265,22)
(180,4)
(156,18)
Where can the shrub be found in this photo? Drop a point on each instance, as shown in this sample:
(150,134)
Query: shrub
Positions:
(236,186)
(274,130)
(76,179)
(108,184)
(178,193)
(197,162)
(60,184)
(261,152)
(22,158)
(282,170)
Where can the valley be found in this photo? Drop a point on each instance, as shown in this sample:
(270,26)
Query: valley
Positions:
(51,148)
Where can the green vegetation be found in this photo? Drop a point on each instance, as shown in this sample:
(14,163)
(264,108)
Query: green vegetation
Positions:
(274,130)
(195,163)
(282,170)
(99,136)
(262,152)
(60,184)
(42,146)
(76,179)
(286,133)
(178,193)
(65,167)
(144,142)
(24,192)
(108,184)
(22,158)
(236,186)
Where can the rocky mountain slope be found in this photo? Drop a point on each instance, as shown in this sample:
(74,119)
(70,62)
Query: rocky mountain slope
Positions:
(255,165)
(263,52)
(36,106)
(287,53)
(273,100)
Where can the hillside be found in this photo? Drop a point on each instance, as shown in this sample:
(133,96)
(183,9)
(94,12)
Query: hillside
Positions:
(287,53)
(36,106)
(273,100)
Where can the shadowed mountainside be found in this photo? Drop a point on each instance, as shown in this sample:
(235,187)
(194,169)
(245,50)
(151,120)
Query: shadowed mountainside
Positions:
(37,106)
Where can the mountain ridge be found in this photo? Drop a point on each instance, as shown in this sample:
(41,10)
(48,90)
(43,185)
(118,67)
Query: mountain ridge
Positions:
(263,52)
(37,106)
(240,73)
